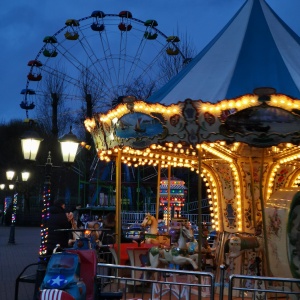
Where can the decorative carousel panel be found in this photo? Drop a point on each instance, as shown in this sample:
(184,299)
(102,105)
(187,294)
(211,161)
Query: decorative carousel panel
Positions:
(228,201)
(282,176)
(262,125)
(251,183)
(283,234)
(137,125)
(191,129)
(226,178)
(210,121)
(244,119)
(293,232)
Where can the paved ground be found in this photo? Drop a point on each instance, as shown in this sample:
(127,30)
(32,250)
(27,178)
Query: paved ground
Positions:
(14,257)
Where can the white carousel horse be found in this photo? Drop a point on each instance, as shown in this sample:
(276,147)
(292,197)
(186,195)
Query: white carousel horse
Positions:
(244,255)
(238,244)
(177,255)
(152,236)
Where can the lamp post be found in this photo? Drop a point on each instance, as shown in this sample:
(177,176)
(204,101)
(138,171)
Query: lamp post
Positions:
(9,176)
(30,142)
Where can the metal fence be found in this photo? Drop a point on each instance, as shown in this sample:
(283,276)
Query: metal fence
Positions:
(262,288)
(136,280)
(127,282)
(138,217)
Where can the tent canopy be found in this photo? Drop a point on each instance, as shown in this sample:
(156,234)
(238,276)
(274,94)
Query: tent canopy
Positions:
(255,49)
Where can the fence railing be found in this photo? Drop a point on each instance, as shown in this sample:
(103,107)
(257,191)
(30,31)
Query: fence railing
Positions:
(138,217)
(128,282)
(143,282)
(260,287)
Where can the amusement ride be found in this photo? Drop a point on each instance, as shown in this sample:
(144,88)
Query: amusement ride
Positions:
(105,56)
(244,145)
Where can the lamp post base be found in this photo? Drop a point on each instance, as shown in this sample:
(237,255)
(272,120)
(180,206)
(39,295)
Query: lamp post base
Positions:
(40,274)
(11,239)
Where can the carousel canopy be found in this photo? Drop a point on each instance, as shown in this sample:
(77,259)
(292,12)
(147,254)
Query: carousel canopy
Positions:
(255,49)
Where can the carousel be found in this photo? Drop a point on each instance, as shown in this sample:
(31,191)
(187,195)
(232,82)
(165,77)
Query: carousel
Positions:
(241,138)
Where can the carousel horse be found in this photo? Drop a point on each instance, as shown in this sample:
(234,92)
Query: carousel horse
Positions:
(177,254)
(152,236)
(238,244)
(243,254)
(208,253)
(91,231)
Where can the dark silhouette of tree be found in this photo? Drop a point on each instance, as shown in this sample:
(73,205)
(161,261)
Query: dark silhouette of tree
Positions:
(171,66)
(51,109)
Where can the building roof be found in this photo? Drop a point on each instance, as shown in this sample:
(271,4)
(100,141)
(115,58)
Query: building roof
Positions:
(255,49)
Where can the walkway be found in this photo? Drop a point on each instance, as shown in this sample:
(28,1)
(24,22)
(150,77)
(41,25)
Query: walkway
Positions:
(14,257)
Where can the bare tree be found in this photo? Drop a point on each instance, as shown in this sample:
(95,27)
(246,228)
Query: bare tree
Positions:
(51,110)
(140,89)
(172,65)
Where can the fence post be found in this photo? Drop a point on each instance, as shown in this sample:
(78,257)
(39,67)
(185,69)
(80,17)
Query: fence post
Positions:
(222,279)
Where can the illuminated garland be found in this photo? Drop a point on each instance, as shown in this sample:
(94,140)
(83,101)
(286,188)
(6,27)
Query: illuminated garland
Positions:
(45,217)
(14,212)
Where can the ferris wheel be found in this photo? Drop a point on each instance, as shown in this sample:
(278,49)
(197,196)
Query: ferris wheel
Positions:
(107,55)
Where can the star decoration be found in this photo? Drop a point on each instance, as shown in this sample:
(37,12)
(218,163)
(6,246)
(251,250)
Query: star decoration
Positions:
(58,280)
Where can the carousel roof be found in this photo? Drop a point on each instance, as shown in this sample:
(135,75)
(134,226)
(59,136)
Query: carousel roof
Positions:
(255,49)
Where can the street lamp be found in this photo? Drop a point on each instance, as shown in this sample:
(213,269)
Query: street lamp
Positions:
(30,145)
(9,176)
(30,142)
(69,145)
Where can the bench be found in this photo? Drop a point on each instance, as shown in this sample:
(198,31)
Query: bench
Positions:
(26,278)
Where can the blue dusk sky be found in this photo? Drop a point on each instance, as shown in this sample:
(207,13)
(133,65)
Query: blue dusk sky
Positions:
(24,24)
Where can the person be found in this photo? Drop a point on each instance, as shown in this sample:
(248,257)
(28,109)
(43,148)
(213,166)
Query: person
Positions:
(108,235)
(58,219)
(109,223)
(8,215)
(75,211)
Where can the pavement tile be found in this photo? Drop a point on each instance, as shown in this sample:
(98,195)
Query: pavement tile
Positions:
(15,257)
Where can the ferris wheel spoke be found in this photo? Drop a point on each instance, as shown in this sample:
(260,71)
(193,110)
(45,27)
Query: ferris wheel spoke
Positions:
(109,69)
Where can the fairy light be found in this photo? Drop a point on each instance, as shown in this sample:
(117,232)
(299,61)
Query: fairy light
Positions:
(237,185)
(45,217)
(178,155)
(14,212)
